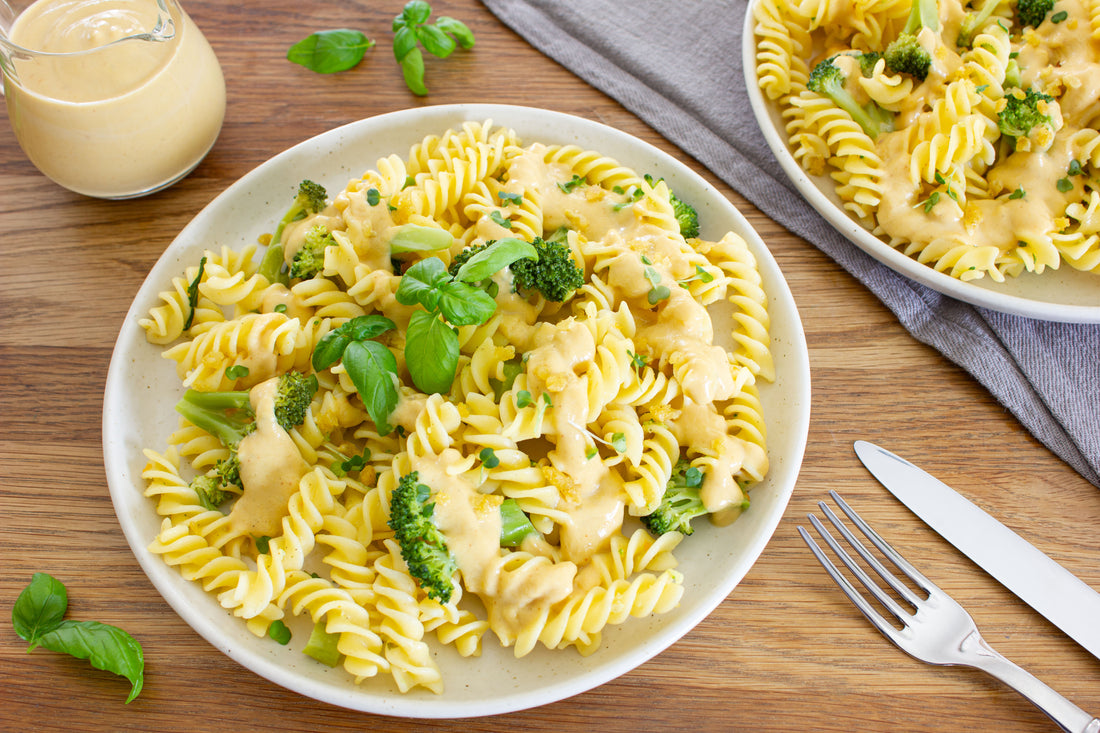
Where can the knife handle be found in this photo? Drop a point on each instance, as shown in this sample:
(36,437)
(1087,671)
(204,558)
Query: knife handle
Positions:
(1063,712)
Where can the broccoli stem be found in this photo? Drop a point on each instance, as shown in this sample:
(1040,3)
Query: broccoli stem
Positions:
(216,420)
(271,266)
(322,645)
(515,525)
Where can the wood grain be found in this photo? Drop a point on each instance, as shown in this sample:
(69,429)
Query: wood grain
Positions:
(784,652)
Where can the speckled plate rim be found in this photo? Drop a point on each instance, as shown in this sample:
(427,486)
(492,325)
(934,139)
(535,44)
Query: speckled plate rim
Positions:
(142,386)
(1064,295)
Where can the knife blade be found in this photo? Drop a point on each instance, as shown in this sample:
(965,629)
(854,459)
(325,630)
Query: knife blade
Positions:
(1063,598)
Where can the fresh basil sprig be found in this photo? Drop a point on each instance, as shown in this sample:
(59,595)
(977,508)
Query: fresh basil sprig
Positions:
(431,343)
(411,29)
(38,618)
(370,365)
(327,52)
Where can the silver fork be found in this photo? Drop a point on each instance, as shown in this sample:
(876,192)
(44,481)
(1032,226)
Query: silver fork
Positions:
(937,630)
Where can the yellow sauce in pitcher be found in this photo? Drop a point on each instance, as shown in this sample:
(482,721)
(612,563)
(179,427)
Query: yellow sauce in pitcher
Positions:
(117,98)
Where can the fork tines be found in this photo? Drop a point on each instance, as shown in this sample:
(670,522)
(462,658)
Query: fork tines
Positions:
(873,588)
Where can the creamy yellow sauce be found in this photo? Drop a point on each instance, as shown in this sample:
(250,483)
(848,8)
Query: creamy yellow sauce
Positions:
(271,469)
(105,114)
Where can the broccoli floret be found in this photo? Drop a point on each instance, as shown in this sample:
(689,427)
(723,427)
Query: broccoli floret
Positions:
(229,417)
(310,257)
(686,216)
(462,257)
(554,274)
(310,199)
(212,492)
(1023,111)
(1032,12)
(828,80)
(974,22)
(680,504)
(867,62)
(423,546)
(905,54)
(292,399)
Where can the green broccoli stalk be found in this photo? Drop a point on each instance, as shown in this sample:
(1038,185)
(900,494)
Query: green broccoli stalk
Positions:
(974,22)
(1032,12)
(310,257)
(828,80)
(1023,111)
(554,274)
(680,503)
(905,54)
(229,417)
(515,525)
(323,646)
(423,546)
(310,199)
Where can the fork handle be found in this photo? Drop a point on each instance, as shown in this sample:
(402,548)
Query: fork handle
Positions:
(1068,716)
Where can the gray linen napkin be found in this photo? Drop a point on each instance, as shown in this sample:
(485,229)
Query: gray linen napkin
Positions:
(677,66)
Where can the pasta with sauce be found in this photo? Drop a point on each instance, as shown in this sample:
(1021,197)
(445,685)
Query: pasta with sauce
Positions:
(942,182)
(614,388)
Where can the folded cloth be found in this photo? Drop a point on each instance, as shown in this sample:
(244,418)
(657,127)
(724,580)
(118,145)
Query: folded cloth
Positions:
(677,66)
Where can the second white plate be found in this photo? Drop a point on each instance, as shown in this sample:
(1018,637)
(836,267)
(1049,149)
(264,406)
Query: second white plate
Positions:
(1065,294)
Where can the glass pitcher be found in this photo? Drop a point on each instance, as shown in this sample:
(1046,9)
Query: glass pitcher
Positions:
(110,98)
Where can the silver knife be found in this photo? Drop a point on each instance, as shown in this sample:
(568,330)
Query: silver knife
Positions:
(1043,584)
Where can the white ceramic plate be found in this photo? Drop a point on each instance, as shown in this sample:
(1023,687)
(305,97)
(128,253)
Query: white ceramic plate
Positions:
(1064,294)
(142,388)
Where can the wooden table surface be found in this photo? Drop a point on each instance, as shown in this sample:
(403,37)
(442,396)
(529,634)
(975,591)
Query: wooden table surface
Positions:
(784,652)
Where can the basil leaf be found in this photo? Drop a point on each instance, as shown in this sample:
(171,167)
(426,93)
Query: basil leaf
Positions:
(431,352)
(404,41)
(417,238)
(412,68)
(329,349)
(327,52)
(331,346)
(39,608)
(420,283)
(373,370)
(107,647)
(465,305)
(435,41)
(415,12)
(494,258)
(362,328)
(461,32)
